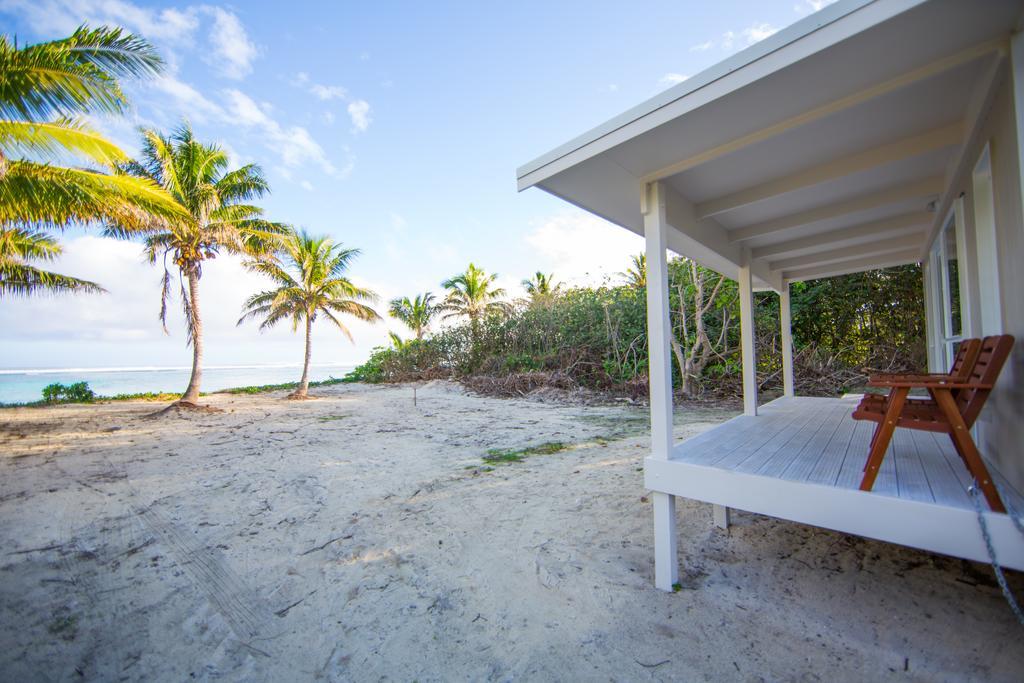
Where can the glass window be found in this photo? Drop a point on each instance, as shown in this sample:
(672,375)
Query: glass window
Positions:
(952,275)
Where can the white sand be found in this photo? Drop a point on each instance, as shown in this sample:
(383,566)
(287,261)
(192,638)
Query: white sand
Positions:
(344,539)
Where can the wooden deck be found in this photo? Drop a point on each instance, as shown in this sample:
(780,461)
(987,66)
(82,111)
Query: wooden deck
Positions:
(802,459)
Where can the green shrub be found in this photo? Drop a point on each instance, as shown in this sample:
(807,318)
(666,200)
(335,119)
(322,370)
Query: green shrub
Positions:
(79,392)
(596,337)
(372,371)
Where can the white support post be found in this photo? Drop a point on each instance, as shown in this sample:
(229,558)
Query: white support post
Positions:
(666,562)
(1017,77)
(721,515)
(787,340)
(748,352)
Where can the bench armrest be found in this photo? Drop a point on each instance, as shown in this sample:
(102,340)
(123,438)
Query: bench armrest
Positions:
(925,382)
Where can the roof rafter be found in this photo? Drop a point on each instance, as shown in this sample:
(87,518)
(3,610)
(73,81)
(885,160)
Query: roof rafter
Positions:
(846,253)
(705,241)
(918,189)
(886,227)
(829,108)
(857,265)
(939,138)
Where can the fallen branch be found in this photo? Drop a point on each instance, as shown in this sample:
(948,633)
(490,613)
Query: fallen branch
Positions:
(324,545)
(282,612)
(36,550)
(652,666)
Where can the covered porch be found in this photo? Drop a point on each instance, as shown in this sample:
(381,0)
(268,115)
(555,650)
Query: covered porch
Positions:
(859,138)
(802,459)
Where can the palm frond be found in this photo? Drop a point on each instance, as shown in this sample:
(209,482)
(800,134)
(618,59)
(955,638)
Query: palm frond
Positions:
(114,50)
(71,76)
(18,277)
(32,193)
(57,140)
(243,184)
(25,280)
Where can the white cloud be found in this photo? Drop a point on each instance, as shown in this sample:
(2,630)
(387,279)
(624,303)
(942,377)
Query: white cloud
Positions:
(306,185)
(359,112)
(320,90)
(758,32)
(189,100)
(63,16)
(811,6)
(328,92)
(293,144)
(750,35)
(129,308)
(358,109)
(582,249)
(233,51)
(670,79)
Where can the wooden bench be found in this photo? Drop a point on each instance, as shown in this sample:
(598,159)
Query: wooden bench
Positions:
(954,403)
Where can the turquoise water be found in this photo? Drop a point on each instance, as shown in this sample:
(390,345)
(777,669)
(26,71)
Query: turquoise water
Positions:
(18,386)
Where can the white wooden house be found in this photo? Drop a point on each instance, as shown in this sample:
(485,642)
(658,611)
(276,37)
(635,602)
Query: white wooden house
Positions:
(870,134)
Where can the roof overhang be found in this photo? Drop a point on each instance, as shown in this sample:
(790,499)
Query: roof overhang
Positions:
(821,150)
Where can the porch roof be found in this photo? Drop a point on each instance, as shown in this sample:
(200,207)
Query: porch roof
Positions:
(825,149)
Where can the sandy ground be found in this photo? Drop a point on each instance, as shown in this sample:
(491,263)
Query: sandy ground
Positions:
(356,537)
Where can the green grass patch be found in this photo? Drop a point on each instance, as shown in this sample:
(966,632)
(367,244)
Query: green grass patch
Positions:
(263,388)
(145,396)
(502,456)
(331,418)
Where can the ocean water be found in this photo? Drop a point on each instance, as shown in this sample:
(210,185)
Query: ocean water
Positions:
(17,386)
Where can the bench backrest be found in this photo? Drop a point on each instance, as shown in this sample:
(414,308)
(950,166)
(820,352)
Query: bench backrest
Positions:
(985,371)
(966,356)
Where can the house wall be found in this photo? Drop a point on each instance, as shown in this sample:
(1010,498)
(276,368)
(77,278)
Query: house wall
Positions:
(1000,428)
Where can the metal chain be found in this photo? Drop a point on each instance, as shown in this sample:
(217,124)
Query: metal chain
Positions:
(1000,577)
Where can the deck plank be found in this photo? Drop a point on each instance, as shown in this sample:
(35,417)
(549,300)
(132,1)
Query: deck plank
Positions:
(826,469)
(744,431)
(852,469)
(786,426)
(825,426)
(911,481)
(946,485)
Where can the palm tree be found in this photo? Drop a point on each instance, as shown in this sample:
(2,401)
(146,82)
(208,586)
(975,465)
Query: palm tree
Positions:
(20,246)
(218,218)
(637,275)
(470,294)
(45,89)
(397,343)
(416,314)
(541,287)
(311,282)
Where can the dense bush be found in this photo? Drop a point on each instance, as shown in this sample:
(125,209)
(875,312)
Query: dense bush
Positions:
(597,337)
(79,392)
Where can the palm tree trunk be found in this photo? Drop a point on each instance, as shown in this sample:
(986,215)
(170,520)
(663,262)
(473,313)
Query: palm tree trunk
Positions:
(192,393)
(303,389)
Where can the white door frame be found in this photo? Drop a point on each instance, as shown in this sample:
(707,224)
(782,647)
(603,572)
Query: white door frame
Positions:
(938,270)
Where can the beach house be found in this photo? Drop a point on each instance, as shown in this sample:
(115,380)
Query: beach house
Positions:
(870,134)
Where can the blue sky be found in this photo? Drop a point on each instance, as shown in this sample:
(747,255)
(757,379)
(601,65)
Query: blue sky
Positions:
(394,127)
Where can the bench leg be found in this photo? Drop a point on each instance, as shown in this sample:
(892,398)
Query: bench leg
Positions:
(964,444)
(721,516)
(883,435)
(666,554)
